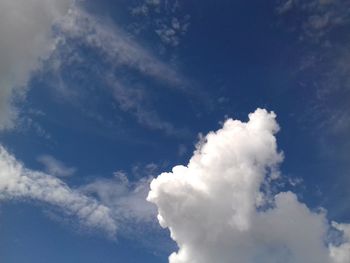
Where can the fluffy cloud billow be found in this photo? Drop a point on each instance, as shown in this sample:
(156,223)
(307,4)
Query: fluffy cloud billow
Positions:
(216,210)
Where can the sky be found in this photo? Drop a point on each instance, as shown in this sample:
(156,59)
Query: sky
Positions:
(174,131)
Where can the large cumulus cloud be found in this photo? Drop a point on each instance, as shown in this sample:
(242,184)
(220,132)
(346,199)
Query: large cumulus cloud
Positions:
(216,210)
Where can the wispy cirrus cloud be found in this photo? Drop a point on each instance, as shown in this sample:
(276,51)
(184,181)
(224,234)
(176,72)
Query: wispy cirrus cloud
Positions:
(323,68)
(126,199)
(112,206)
(55,167)
(164,18)
(125,195)
(25,31)
(120,59)
(71,23)
(135,101)
(117,46)
(316,18)
(19,183)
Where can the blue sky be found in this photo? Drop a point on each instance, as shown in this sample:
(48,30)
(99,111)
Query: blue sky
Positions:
(98,98)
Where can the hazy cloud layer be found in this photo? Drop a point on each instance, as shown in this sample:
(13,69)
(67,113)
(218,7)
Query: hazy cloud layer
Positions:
(25,31)
(216,211)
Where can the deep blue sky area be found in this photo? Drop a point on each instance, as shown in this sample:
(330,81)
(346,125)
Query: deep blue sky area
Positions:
(119,94)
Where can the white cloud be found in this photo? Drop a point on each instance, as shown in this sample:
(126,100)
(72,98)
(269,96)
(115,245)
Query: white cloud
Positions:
(25,31)
(55,167)
(213,206)
(127,200)
(18,182)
